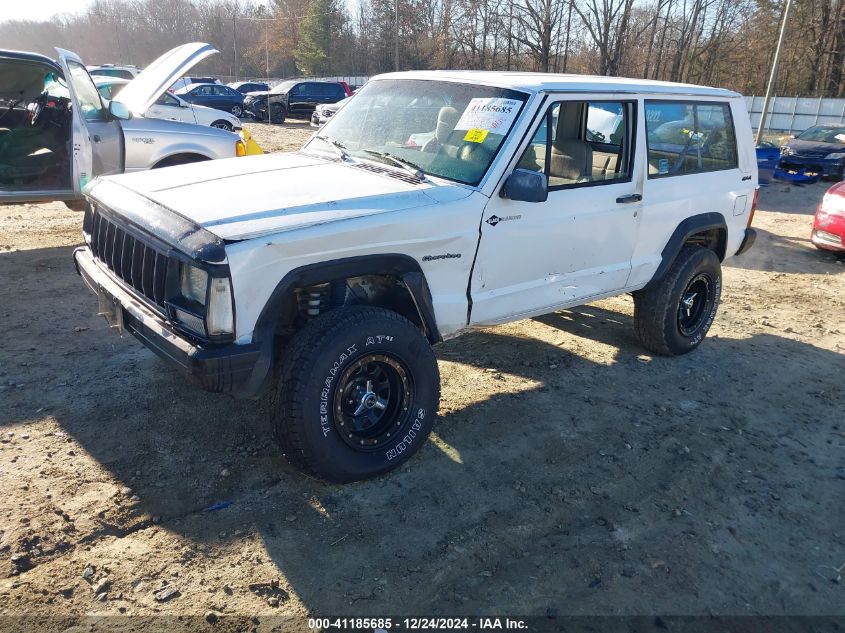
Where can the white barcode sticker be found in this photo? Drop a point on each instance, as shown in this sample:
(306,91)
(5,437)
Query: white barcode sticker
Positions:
(493,114)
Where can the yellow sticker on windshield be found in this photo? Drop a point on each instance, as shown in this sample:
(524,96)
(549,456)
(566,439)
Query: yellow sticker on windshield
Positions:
(476,135)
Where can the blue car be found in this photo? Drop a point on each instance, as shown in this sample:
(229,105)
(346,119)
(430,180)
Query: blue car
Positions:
(817,152)
(768,155)
(215,96)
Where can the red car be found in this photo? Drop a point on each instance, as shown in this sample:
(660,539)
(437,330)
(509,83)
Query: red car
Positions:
(829,225)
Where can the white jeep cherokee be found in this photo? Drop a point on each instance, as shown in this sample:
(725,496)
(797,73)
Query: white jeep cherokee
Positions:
(433,203)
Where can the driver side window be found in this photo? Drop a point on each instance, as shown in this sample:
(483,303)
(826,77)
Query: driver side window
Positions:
(86,93)
(582,142)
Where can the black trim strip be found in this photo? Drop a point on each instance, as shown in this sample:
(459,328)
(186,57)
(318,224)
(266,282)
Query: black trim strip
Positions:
(153,218)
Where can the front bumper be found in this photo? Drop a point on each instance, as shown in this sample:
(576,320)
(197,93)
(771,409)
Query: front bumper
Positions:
(829,231)
(237,369)
(796,169)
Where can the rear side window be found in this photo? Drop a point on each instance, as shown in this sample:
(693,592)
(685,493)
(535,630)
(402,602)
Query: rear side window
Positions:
(689,137)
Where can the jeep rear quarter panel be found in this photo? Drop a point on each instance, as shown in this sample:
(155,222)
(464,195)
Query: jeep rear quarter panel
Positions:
(670,199)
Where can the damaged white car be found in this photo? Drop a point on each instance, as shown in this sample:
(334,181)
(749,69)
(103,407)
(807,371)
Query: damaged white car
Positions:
(431,204)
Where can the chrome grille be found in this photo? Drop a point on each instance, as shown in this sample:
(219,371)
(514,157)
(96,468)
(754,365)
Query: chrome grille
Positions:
(136,262)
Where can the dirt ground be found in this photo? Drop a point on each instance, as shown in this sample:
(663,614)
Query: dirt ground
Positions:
(569,472)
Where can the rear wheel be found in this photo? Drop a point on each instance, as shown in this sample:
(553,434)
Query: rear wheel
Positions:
(674,316)
(357,394)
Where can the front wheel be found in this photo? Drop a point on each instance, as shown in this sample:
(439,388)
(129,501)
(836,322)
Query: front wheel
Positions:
(674,316)
(237,110)
(222,125)
(357,394)
(277,114)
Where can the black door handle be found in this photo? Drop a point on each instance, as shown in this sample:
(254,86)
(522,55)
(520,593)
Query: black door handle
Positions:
(97,138)
(634,197)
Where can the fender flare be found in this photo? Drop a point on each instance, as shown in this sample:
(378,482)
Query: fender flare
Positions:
(686,229)
(279,309)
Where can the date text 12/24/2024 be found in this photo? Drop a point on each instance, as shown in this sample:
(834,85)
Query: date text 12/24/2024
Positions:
(382,625)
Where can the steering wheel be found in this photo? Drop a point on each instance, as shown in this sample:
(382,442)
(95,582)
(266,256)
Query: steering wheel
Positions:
(38,107)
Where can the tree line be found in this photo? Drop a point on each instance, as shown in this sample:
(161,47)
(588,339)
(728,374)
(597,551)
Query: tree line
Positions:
(727,43)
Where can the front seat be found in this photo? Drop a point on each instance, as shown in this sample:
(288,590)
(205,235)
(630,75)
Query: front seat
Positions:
(571,156)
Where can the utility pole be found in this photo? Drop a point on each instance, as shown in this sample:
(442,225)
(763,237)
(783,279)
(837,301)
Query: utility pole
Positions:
(396,60)
(235,42)
(773,76)
(510,31)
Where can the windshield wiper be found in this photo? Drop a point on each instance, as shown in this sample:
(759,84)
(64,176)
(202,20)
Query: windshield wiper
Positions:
(402,163)
(341,149)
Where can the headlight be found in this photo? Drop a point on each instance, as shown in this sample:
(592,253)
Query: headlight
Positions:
(194,283)
(835,156)
(833,204)
(220,318)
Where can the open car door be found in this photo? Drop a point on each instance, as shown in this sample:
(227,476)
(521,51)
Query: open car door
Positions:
(100,137)
(43,152)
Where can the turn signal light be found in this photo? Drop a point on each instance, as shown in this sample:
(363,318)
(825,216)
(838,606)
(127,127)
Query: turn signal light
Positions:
(240,148)
(753,205)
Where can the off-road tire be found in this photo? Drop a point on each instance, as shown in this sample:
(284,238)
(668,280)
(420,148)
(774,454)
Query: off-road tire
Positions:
(306,406)
(277,114)
(658,318)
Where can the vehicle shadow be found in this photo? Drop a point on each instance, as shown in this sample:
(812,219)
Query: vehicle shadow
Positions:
(778,253)
(793,199)
(553,482)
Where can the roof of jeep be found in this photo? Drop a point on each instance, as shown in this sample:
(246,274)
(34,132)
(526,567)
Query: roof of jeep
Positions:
(539,82)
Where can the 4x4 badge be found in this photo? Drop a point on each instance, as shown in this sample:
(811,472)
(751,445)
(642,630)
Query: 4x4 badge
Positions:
(493,220)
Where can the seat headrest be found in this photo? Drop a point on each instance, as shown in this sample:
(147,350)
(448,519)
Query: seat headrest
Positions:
(569,120)
(447,119)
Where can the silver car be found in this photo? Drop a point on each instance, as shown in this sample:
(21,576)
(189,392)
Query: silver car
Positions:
(56,133)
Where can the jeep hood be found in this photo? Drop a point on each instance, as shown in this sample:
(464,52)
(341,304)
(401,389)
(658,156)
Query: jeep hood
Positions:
(241,198)
(143,91)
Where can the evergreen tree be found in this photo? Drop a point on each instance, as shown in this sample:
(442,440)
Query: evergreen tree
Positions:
(318,33)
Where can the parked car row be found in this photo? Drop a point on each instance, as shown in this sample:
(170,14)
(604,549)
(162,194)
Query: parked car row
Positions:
(294,99)
(58,132)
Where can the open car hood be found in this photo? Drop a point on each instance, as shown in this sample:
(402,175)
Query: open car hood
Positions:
(150,84)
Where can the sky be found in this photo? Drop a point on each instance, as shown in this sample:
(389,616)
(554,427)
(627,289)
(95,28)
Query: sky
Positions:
(40,9)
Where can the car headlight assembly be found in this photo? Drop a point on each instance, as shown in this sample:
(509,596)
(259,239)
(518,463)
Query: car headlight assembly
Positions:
(206,302)
(835,156)
(219,317)
(194,284)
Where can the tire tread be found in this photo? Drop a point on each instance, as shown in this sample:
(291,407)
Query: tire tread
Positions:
(293,370)
(651,305)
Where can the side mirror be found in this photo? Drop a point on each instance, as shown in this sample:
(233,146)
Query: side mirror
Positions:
(525,185)
(119,111)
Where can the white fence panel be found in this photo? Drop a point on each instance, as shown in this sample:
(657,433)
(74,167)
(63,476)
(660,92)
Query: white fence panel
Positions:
(796,114)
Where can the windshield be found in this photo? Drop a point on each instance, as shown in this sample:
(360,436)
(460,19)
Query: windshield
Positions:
(824,134)
(283,87)
(444,129)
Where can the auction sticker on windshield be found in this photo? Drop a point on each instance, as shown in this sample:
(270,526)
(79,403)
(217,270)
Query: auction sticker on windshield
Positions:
(493,114)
